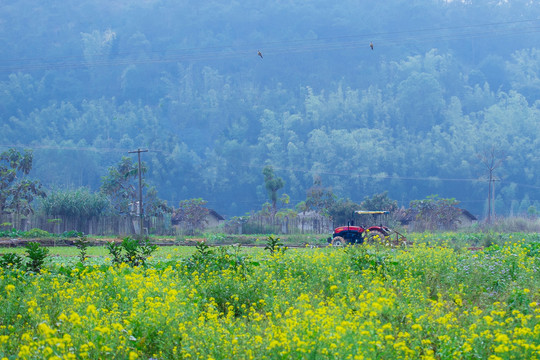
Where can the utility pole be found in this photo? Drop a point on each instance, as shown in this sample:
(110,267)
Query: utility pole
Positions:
(493,195)
(489,195)
(491,160)
(139,151)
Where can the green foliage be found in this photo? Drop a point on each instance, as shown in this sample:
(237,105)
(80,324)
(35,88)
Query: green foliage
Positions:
(231,297)
(131,251)
(272,184)
(379,202)
(193,213)
(377,262)
(79,203)
(434,212)
(115,250)
(489,275)
(36,255)
(274,245)
(72,234)
(13,233)
(207,259)
(16,193)
(465,303)
(120,185)
(11,261)
(533,249)
(319,198)
(416,109)
(286,213)
(215,237)
(131,247)
(153,205)
(36,233)
(81,242)
(234,224)
(341,211)
(511,224)
(32,233)
(202,250)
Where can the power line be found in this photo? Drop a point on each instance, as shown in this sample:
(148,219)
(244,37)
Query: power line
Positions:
(389,177)
(195,54)
(370,176)
(72,148)
(287,169)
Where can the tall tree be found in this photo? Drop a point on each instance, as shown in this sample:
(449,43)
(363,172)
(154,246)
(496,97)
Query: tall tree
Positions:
(491,159)
(78,203)
(341,211)
(119,184)
(379,202)
(153,205)
(319,198)
(434,212)
(193,213)
(272,184)
(16,192)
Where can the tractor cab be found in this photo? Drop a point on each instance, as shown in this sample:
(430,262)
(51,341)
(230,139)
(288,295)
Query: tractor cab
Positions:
(367,217)
(352,234)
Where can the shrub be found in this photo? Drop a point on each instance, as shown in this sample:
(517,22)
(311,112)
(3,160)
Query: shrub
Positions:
(274,245)
(207,259)
(36,233)
(36,255)
(11,261)
(71,234)
(131,251)
(13,233)
(82,244)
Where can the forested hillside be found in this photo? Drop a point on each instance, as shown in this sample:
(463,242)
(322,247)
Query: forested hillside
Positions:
(84,82)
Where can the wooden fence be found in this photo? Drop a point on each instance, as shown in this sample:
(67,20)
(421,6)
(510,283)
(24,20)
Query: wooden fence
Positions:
(128,225)
(102,225)
(262,224)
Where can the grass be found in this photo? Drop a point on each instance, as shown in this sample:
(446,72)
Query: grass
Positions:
(455,240)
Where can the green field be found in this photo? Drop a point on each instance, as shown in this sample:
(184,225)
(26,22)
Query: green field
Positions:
(445,296)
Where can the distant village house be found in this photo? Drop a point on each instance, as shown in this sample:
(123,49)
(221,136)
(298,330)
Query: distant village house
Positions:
(408,219)
(213,220)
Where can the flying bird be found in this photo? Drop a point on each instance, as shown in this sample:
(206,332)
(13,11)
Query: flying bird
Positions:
(259,53)
(371,45)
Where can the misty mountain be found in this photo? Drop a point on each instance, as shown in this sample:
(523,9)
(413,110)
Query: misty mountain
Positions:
(84,82)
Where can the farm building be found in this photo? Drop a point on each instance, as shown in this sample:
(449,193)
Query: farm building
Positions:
(213,219)
(407,218)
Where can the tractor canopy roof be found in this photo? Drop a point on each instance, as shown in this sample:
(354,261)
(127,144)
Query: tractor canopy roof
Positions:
(374,212)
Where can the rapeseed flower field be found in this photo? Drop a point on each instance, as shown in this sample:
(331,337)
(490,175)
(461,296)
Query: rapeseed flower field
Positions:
(423,301)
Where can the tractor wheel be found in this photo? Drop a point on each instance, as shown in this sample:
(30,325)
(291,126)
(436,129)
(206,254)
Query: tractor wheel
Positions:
(375,236)
(338,241)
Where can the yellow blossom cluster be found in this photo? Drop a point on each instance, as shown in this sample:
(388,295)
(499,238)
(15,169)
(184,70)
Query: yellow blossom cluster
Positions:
(422,302)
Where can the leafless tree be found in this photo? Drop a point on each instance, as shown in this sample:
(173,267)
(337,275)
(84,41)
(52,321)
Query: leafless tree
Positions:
(491,159)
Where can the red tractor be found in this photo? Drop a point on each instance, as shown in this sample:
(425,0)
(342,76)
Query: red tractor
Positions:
(351,234)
